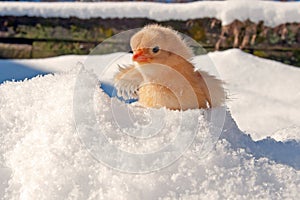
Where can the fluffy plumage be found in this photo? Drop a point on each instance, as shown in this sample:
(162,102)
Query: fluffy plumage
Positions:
(162,75)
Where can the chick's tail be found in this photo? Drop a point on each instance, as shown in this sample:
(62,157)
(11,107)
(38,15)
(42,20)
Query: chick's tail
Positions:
(214,90)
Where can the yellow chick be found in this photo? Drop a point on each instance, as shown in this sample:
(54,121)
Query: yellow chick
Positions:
(162,75)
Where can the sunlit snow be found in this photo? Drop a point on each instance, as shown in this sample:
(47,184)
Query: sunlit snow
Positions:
(272,13)
(43,156)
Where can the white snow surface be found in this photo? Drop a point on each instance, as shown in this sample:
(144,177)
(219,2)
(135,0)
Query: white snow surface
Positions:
(264,95)
(272,13)
(42,156)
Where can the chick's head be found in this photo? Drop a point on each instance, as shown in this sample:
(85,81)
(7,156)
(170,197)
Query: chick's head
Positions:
(157,44)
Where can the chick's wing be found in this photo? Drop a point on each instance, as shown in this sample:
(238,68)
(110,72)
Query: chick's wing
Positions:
(127,81)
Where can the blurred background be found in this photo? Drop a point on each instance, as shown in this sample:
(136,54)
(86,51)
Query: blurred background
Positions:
(39,37)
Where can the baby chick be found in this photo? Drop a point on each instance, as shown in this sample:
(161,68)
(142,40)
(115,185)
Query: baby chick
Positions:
(162,75)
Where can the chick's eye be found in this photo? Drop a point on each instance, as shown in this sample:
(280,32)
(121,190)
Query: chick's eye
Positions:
(155,49)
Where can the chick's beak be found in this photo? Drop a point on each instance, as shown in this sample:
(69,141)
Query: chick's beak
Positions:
(140,56)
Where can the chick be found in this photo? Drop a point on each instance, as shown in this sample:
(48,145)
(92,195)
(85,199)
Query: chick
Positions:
(163,76)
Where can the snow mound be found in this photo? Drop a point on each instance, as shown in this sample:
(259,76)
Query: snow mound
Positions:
(264,95)
(272,13)
(43,157)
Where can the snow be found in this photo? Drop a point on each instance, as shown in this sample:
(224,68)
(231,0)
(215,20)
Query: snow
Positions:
(48,161)
(272,13)
(264,95)
(49,151)
(62,137)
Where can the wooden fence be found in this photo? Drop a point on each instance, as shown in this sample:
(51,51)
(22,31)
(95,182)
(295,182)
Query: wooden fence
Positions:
(37,37)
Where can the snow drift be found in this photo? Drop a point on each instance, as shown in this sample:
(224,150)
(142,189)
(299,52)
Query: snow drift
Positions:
(42,156)
(264,94)
(272,13)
